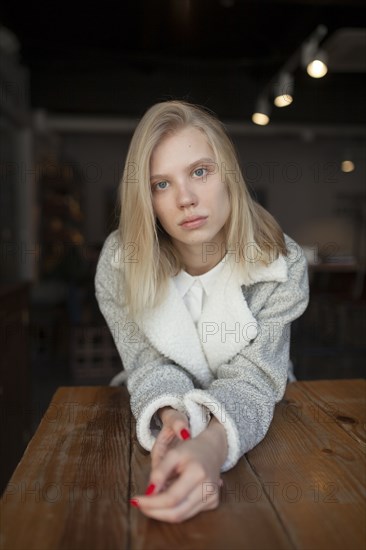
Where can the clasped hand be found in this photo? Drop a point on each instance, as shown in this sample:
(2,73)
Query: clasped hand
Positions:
(185,473)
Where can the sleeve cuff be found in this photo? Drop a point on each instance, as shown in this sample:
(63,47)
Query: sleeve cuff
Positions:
(119,379)
(149,424)
(199,404)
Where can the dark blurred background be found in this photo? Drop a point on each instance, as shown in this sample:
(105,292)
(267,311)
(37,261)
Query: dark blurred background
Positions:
(74,83)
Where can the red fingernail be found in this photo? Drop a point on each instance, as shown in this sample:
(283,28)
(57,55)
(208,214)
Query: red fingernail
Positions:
(150,489)
(185,434)
(134,502)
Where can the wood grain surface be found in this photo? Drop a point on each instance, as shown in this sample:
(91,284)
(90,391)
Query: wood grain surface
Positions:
(71,488)
(302,487)
(314,468)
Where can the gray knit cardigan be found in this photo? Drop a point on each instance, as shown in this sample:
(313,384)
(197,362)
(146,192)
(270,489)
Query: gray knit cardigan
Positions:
(233,365)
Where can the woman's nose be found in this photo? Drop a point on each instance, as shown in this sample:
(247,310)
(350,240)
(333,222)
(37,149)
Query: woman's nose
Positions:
(185,196)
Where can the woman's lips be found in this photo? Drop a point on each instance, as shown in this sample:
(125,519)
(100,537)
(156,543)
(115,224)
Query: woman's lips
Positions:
(194,223)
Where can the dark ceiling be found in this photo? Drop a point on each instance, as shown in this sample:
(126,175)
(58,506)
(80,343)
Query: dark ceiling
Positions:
(116,61)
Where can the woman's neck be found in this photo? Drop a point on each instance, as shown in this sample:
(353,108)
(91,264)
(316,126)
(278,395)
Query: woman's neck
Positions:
(199,260)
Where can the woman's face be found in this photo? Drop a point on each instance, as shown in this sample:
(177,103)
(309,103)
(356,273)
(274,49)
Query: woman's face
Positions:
(189,198)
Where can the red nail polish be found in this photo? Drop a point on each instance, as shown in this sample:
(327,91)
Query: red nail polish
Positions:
(185,434)
(134,502)
(150,489)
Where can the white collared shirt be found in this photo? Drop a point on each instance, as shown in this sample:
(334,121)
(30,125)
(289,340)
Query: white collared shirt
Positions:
(194,289)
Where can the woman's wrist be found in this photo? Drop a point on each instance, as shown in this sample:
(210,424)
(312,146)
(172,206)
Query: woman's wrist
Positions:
(215,436)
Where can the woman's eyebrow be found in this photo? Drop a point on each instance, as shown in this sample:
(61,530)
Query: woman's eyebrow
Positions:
(199,161)
(190,166)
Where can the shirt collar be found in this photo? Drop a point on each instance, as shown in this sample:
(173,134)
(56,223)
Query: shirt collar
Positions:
(184,281)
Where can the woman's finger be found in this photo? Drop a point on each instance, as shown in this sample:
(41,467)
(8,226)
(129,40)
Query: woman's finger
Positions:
(189,475)
(177,421)
(183,499)
(164,469)
(175,427)
(183,511)
(181,428)
(163,442)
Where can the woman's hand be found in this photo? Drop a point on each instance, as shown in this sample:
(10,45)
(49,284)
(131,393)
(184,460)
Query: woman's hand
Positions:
(175,428)
(186,480)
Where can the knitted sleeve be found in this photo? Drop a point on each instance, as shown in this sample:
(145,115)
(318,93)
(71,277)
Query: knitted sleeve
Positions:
(153,380)
(247,387)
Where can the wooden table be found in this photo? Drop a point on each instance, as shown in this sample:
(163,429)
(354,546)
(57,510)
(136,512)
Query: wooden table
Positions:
(302,487)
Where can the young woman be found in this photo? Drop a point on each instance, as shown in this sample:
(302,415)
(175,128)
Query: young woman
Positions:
(199,286)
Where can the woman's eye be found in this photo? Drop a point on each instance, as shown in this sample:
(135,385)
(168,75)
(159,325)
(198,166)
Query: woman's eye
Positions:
(160,185)
(199,172)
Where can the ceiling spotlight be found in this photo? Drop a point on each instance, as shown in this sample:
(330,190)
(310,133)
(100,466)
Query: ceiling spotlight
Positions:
(284,90)
(347,158)
(262,112)
(317,68)
(313,58)
(347,166)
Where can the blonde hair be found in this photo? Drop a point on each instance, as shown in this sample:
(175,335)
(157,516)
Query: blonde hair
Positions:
(146,273)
